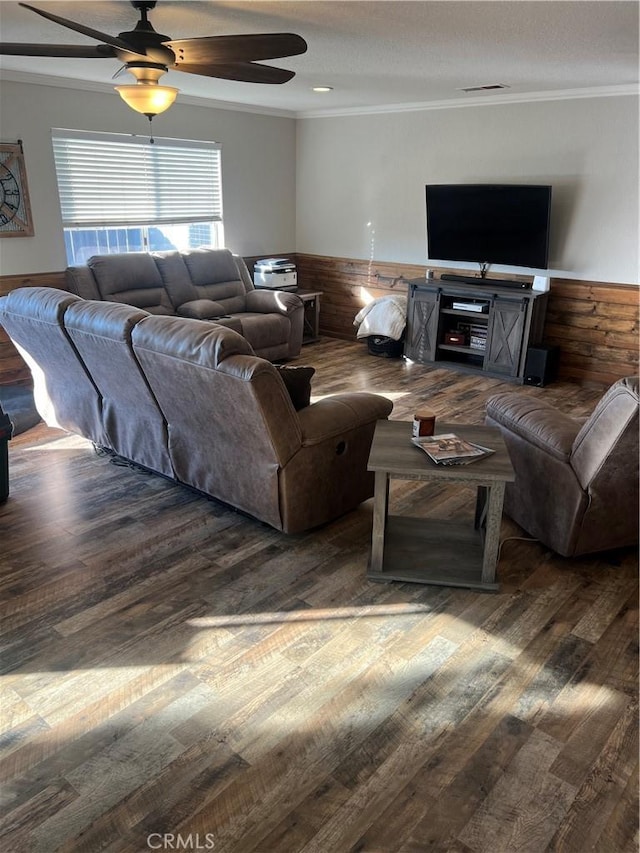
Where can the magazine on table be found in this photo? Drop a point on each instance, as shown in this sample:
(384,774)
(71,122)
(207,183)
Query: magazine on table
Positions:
(450,449)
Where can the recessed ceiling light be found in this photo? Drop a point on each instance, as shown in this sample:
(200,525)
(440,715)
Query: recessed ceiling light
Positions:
(323,88)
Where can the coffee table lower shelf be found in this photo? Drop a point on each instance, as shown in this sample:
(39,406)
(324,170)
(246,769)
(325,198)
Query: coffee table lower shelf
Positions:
(432,551)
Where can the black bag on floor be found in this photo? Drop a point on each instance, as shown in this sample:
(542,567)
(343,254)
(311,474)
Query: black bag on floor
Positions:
(385,347)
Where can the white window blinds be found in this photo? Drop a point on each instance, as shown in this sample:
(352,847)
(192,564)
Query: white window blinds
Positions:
(115,179)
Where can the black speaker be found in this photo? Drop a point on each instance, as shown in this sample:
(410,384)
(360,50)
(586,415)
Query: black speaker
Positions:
(541,365)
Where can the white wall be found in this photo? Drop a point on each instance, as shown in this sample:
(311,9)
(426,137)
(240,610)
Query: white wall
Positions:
(355,170)
(318,194)
(258,175)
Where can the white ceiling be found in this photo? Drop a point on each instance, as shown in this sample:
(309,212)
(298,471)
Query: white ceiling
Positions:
(374,54)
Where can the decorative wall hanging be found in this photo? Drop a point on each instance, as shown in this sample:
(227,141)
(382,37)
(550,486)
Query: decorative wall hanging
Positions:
(15,210)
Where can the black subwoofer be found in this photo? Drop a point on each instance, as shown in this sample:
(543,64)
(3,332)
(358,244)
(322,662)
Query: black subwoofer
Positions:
(541,365)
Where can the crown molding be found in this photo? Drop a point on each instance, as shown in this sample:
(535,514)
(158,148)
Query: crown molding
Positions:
(480,100)
(105,88)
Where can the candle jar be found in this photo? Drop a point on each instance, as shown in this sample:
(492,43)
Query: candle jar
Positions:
(424,423)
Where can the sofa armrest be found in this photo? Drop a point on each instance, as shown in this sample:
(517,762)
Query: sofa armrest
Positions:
(340,413)
(272,302)
(81,281)
(536,422)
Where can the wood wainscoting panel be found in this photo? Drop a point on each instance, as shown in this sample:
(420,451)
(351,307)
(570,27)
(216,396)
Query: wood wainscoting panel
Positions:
(596,327)
(595,324)
(347,285)
(13,370)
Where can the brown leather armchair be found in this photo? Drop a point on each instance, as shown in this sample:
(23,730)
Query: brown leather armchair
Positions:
(576,486)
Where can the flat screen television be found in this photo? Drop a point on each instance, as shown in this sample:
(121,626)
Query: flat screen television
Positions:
(505,224)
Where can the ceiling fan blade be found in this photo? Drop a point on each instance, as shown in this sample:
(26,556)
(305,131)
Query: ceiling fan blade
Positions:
(74,51)
(114,41)
(245,72)
(242,48)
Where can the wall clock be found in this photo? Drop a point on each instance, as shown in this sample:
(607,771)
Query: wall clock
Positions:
(15,210)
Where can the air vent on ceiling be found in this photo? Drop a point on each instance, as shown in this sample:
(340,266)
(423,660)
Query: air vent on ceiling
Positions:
(487,88)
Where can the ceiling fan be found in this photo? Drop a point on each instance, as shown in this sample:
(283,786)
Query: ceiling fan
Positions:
(148,55)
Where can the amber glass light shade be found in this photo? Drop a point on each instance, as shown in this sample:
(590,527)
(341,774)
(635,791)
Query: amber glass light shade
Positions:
(148,98)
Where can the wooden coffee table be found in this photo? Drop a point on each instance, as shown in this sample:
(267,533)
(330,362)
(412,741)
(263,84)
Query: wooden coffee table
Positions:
(444,552)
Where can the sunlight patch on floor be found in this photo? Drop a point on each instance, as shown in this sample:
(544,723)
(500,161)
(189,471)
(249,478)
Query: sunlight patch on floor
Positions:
(65,442)
(315,615)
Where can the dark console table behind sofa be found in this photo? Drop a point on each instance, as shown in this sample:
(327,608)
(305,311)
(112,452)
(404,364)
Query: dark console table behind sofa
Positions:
(443,328)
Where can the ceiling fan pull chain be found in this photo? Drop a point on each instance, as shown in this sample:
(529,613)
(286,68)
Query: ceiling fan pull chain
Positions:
(151,139)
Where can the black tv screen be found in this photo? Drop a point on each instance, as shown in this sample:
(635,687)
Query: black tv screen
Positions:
(489,223)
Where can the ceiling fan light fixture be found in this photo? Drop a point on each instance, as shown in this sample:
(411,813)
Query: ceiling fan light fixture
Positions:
(148,98)
(148,55)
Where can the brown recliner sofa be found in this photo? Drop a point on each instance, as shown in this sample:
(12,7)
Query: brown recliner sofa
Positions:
(204,284)
(576,486)
(191,400)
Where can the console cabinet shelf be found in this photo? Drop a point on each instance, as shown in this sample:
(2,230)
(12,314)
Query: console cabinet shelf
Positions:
(473,327)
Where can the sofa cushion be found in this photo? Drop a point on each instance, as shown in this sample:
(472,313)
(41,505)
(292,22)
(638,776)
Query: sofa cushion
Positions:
(264,330)
(211,266)
(64,391)
(297,381)
(132,278)
(195,341)
(215,275)
(175,277)
(101,332)
(611,419)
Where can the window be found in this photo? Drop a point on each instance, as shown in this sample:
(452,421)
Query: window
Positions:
(120,193)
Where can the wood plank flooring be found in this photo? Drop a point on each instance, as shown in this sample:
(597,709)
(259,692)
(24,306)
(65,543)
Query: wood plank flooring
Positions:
(179,676)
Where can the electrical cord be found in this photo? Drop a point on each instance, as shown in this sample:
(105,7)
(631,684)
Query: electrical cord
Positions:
(114,459)
(102,451)
(510,538)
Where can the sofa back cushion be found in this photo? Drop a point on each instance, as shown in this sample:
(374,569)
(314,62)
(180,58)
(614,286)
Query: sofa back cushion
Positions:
(605,461)
(162,282)
(231,423)
(64,392)
(175,277)
(215,275)
(133,422)
(609,433)
(132,278)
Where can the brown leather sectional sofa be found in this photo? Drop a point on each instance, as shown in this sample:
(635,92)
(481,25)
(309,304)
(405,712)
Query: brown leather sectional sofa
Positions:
(189,399)
(204,284)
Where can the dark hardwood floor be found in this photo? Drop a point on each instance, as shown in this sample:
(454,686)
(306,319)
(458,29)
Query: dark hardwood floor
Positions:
(179,676)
